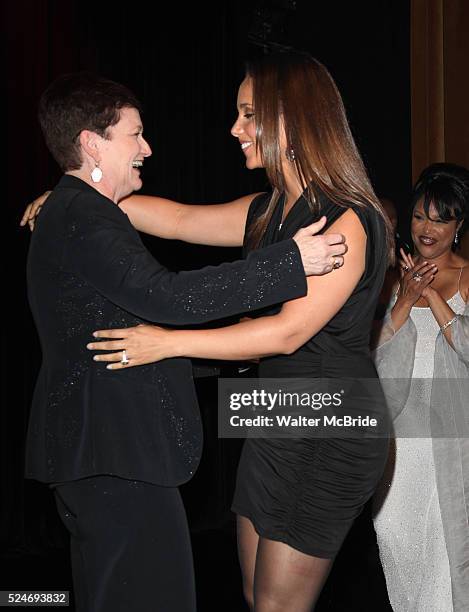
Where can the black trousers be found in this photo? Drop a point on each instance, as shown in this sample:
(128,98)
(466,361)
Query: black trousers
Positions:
(130,546)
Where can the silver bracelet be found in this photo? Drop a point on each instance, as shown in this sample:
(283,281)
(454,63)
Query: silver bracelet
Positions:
(447,324)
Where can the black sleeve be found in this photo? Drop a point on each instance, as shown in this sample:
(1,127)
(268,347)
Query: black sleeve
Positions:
(106,251)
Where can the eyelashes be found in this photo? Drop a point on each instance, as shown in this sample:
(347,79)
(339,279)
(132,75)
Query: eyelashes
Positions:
(419,217)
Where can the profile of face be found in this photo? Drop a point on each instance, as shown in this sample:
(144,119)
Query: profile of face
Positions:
(431,235)
(244,128)
(122,153)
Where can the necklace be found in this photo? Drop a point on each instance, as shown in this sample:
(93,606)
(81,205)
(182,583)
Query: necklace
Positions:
(281,216)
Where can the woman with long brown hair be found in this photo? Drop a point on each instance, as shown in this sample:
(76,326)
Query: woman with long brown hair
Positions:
(296,498)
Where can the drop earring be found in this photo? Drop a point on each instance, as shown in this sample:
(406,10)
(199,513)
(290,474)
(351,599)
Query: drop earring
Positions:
(456,238)
(97,173)
(290,154)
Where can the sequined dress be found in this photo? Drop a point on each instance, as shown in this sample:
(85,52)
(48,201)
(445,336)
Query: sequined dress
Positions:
(408,520)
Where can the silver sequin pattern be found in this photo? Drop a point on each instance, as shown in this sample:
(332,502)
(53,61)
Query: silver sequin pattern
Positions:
(408,524)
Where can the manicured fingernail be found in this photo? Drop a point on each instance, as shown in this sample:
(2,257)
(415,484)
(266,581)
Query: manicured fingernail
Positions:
(95,334)
(88,346)
(96,358)
(109,367)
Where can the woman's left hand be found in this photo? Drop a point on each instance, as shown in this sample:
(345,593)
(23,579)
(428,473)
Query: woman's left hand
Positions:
(142,344)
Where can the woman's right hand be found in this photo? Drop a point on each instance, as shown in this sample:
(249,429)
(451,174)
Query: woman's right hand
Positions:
(415,279)
(33,209)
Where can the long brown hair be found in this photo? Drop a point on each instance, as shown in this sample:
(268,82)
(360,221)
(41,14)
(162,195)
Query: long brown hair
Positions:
(298,88)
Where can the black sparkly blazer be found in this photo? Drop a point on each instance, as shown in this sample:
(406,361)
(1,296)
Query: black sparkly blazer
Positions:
(88,269)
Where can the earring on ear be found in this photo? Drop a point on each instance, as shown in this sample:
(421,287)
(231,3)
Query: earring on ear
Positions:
(97,173)
(290,154)
(456,238)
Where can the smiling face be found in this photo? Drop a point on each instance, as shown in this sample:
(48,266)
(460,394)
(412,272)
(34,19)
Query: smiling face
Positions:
(432,236)
(244,128)
(122,154)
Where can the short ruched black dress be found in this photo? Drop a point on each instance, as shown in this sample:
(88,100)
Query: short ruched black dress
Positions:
(307,492)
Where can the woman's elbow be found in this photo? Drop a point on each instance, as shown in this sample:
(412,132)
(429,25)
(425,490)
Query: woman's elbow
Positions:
(284,338)
(282,345)
(292,342)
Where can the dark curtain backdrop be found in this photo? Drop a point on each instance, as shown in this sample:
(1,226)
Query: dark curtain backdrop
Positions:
(185,64)
(439,96)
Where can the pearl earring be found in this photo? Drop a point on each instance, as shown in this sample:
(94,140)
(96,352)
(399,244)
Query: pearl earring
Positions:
(290,154)
(97,173)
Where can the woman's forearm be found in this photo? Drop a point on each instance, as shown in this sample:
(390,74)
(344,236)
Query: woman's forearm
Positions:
(297,322)
(442,313)
(247,340)
(210,224)
(400,313)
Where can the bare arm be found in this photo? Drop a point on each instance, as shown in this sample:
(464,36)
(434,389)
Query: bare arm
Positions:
(296,323)
(211,224)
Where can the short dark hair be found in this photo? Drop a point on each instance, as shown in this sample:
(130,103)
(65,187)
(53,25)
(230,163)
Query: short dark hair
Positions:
(76,102)
(446,186)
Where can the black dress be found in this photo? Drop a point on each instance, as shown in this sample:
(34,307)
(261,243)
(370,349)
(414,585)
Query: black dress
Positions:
(306,492)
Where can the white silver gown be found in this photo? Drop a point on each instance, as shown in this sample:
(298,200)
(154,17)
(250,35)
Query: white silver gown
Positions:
(407,518)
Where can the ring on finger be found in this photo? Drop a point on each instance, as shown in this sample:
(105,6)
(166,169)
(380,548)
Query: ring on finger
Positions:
(406,268)
(337,263)
(417,277)
(124,360)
